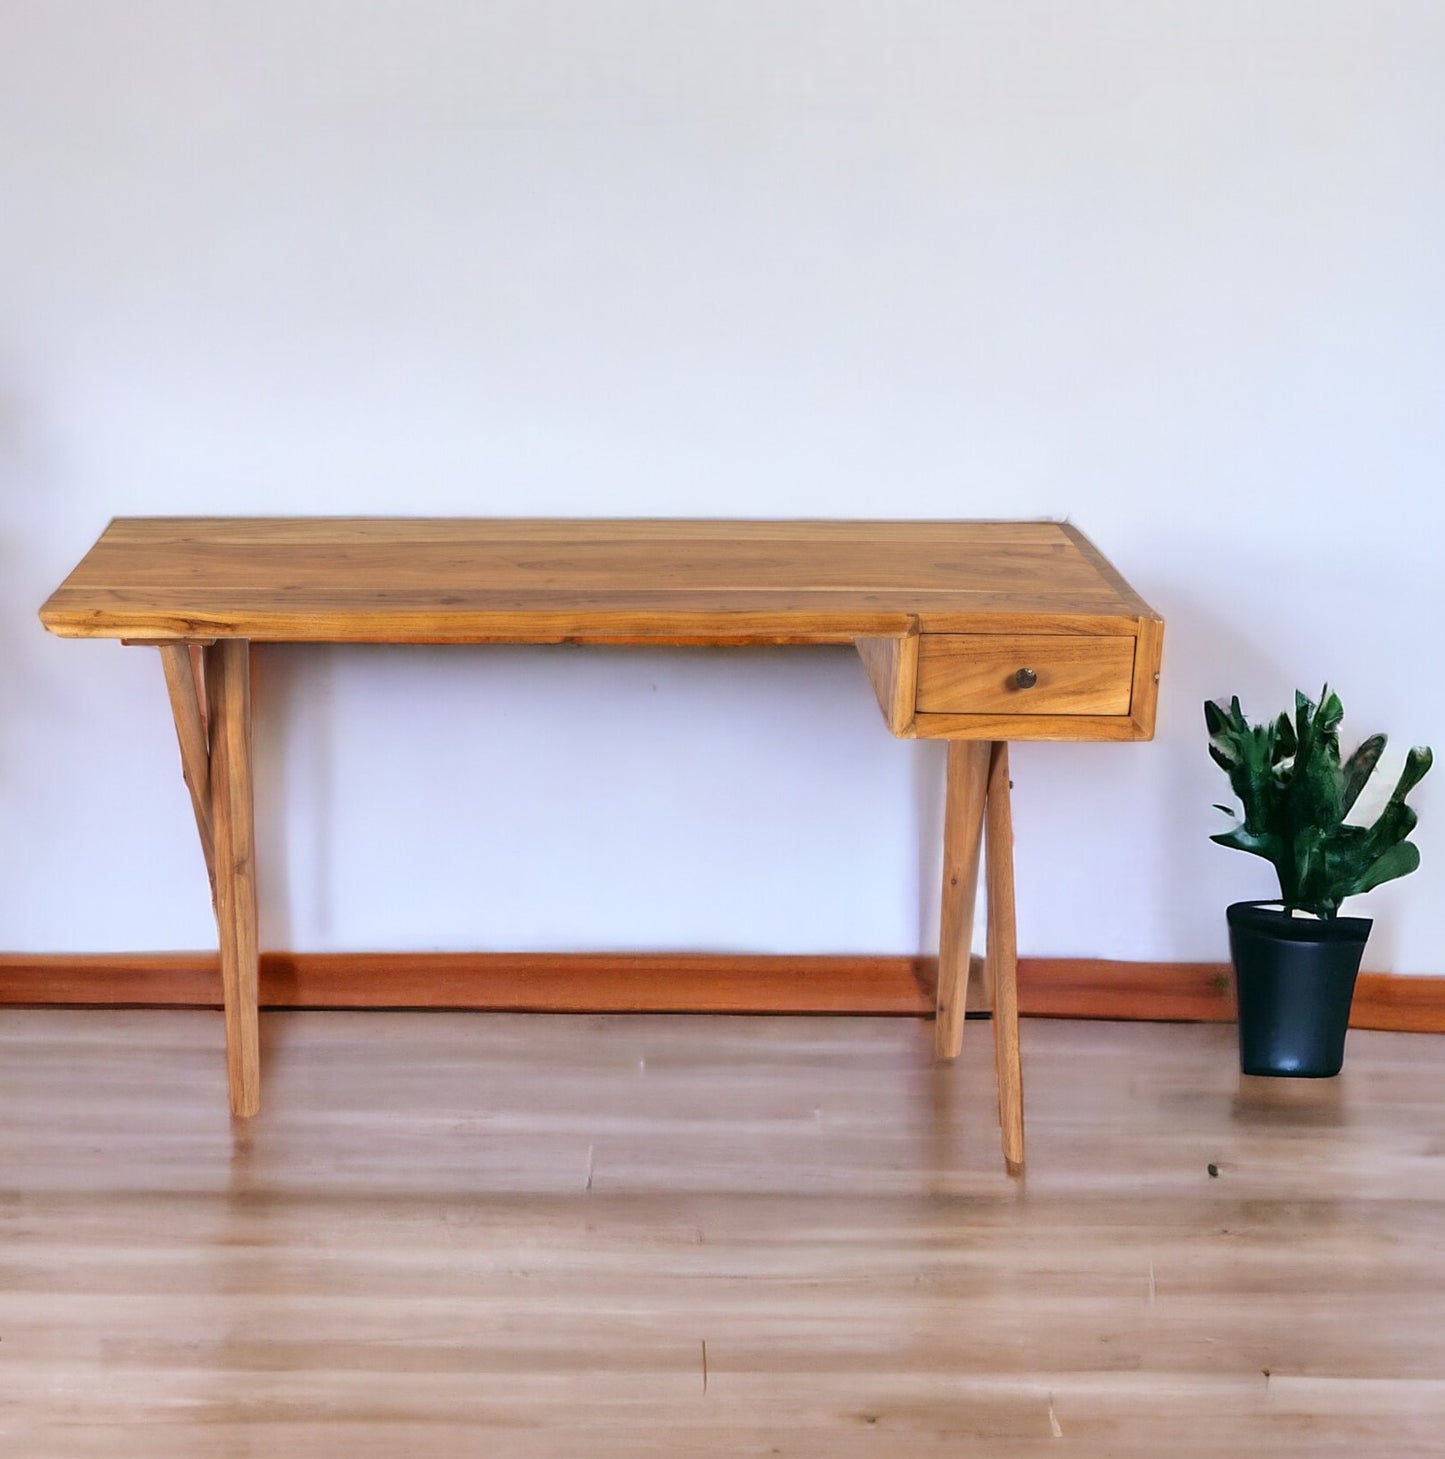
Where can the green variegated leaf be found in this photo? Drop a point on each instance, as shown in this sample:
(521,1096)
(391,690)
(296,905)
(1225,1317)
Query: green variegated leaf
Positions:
(1417,763)
(1358,769)
(1240,839)
(1330,712)
(1398,861)
(1286,741)
(1224,761)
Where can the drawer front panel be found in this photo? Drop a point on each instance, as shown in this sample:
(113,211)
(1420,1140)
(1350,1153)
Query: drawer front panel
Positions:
(976,673)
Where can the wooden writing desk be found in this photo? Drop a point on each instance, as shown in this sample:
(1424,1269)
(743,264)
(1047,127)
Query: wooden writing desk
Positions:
(972,632)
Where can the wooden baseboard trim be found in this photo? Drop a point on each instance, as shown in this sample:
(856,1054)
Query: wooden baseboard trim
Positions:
(674,983)
(1081,987)
(1204,993)
(519,982)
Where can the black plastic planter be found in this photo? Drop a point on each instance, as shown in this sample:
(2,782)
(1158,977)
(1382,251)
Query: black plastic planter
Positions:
(1294,978)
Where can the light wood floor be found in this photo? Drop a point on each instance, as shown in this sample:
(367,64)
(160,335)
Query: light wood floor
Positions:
(465,1234)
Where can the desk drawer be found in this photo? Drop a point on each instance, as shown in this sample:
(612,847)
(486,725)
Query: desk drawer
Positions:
(978,673)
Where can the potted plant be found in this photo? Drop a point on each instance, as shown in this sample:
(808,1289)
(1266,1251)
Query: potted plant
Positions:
(1295,959)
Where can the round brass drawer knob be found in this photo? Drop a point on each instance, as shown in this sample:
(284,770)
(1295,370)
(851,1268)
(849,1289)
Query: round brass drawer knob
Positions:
(1026,678)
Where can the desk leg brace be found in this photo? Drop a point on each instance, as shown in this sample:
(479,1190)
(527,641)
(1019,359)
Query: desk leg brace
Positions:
(213,725)
(978,801)
(188,708)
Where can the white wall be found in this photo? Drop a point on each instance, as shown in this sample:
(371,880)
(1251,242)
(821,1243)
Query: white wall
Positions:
(1171,270)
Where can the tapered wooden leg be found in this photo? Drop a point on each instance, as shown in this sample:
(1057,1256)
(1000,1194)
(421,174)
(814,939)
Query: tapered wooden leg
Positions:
(228,693)
(968,762)
(183,686)
(1003,956)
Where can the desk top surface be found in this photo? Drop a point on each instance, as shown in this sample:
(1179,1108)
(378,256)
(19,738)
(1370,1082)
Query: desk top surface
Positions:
(510,580)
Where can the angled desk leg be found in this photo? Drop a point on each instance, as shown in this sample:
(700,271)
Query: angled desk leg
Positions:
(1003,958)
(978,796)
(213,725)
(228,695)
(967,791)
(189,712)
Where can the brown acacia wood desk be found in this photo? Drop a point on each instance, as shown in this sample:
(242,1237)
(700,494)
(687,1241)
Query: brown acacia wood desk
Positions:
(977,633)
